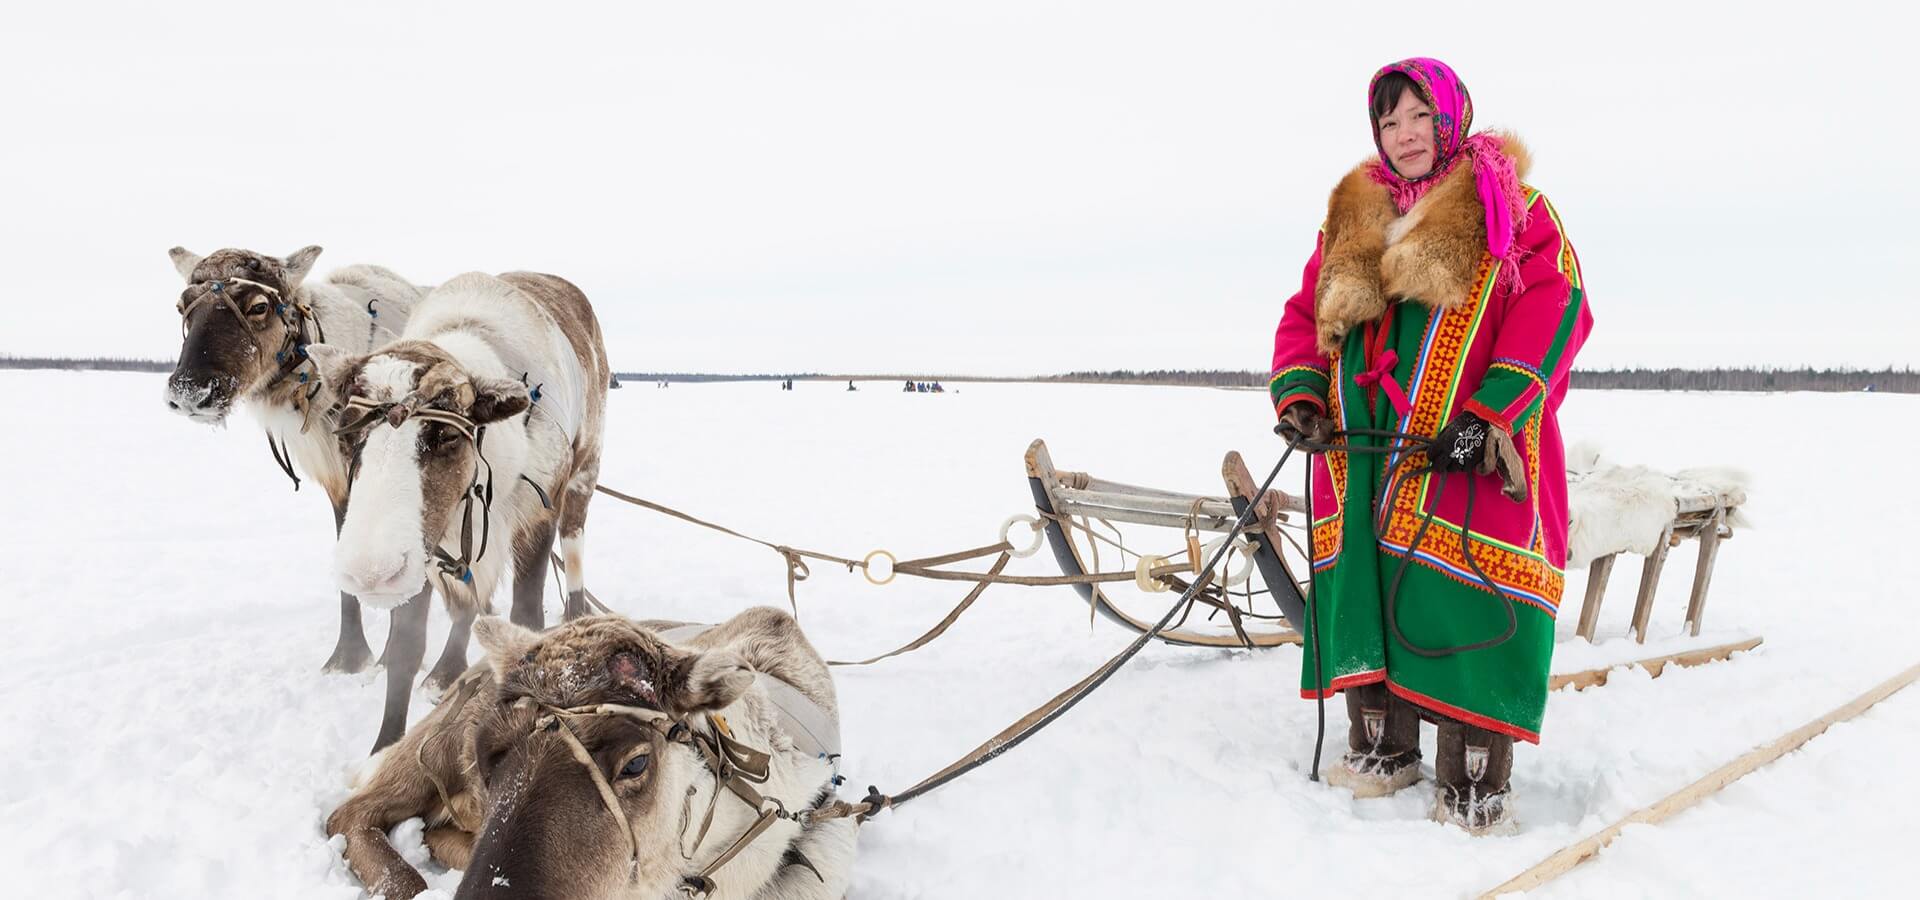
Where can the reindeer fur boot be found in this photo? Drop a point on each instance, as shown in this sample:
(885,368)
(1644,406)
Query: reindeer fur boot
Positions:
(1383,734)
(1472,768)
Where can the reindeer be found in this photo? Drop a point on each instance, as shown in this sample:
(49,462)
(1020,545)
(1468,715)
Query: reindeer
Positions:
(478,429)
(607,759)
(247,320)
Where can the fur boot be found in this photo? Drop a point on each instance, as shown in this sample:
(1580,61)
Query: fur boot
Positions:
(1383,734)
(1473,769)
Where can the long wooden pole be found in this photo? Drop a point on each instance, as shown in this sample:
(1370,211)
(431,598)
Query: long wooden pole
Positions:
(1654,666)
(1574,854)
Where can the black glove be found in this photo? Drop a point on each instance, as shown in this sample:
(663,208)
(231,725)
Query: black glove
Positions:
(1470,444)
(1461,446)
(1302,420)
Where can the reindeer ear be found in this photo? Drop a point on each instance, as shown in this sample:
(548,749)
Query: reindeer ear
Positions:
(184,262)
(506,644)
(497,398)
(297,266)
(334,364)
(704,682)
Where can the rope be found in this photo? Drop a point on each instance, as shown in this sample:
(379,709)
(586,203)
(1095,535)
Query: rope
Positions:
(919,568)
(1047,713)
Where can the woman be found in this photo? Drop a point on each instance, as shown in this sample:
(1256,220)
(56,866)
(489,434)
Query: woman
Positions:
(1442,301)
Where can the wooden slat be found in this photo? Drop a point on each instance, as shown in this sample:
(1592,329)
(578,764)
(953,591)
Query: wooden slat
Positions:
(1703,572)
(1136,517)
(1178,505)
(1574,854)
(1654,666)
(1597,576)
(1649,585)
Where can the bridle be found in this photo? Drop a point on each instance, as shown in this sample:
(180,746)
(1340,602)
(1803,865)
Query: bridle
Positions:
(734,765)
(302,326)
(359,414)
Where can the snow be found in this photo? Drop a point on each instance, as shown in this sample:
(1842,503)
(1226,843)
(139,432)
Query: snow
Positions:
(169,734)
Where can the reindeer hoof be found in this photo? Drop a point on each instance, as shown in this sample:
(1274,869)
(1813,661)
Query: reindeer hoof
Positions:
(437,683)
(348,660)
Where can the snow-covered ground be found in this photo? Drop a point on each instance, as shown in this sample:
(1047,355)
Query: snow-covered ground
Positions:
(167,732)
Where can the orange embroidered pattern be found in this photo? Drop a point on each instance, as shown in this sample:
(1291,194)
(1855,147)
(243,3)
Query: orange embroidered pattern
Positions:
(1523,576)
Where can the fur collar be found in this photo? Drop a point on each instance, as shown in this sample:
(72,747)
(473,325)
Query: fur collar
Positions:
(1372,255)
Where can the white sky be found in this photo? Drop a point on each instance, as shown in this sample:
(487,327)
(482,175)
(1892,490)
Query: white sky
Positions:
(983,187)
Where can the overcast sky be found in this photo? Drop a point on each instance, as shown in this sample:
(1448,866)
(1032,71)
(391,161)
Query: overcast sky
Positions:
(969,187)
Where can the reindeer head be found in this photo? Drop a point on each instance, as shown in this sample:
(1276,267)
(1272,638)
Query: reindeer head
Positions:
(549,831)
(412,430)
(234,321)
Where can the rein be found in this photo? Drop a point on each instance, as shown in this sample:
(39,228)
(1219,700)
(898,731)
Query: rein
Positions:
(360,413)
(1390,494)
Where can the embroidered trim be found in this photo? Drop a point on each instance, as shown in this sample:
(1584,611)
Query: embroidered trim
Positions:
(1454,712)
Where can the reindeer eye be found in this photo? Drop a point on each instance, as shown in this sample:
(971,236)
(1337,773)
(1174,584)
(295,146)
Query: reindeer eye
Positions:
(636,766)
(259,308)
(440,437)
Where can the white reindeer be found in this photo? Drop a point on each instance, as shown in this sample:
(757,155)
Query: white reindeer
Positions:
(471,440)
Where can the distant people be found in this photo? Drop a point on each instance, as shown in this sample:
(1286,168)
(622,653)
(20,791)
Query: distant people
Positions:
(909,387)
(850,385)
(938,389)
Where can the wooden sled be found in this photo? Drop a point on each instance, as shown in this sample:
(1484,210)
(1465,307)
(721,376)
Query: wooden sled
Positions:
(1063,496)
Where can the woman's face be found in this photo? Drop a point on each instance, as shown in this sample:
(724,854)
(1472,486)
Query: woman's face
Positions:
(1406,134)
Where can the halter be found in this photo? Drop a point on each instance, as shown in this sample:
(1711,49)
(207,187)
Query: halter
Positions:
(734,765)
(360,413)
(301,327)
(292,355)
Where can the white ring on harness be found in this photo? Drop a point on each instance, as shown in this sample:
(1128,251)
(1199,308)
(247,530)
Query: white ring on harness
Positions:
(1143,575)
(1006,528)
(1241,547)
(866,567)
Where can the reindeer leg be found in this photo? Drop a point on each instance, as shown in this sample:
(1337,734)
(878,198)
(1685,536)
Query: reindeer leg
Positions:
(453,658)
(406,647)
(530,552)
(573,524)
(350,652)
(450,845)
(399,789)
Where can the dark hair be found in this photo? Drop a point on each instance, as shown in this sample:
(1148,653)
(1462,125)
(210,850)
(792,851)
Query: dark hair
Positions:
(1387,91)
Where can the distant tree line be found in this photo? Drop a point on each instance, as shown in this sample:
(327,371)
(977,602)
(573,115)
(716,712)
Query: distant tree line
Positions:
(1806,378)
(1194,377)
(1903,381)
(86,363)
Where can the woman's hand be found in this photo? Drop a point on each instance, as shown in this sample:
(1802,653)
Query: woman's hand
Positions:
(1302,421)
(1469,443)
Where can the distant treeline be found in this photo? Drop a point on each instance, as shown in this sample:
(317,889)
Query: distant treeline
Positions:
(80,364)
(1904,381)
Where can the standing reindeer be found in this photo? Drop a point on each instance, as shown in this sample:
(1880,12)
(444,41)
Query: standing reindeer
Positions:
(472,438)
(247,321)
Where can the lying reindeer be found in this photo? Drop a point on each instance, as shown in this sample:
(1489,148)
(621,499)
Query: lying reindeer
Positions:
(617,759)
(471,441)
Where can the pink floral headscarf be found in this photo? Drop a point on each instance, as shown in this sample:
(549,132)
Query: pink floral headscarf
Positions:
(1493,175)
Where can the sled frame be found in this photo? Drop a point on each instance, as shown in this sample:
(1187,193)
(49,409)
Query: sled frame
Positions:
(1061,495)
